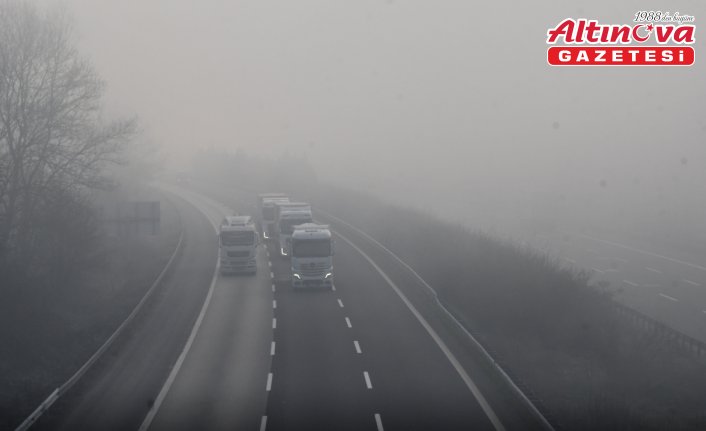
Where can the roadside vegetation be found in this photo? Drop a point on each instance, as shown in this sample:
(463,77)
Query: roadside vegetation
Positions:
(67,279)
(54,145)
(547,324)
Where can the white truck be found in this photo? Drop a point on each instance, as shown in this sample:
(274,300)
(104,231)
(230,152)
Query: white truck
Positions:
(287,216)
(312,256)
(266,205)
(238,241)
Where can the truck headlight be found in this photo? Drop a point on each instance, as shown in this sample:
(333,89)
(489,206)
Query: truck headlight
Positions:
(328,275)
(297,276)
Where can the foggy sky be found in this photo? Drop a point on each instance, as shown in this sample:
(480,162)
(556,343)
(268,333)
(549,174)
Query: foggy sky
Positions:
(449,105)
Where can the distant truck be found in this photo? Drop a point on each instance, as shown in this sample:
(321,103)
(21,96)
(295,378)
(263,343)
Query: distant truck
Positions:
(266,209)
(312,256)
(238,241)
(288,215)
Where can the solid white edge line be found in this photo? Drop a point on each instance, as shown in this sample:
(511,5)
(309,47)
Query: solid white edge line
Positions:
(268,388)
(152,413)
(487,409)
(378,422)
(263,423)
(488,357)
(348,322)
(357,347)
(49,401)
(671,298)
(177,366)
(368,383)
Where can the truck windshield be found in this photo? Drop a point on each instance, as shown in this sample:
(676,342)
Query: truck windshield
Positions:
(268,213)
(312,248)
(237,238)
(287,226)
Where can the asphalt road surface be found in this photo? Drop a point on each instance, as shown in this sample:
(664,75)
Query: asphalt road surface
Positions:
(665,283)
(248,352)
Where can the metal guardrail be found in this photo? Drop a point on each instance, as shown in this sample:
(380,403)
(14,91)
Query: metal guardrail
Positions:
(659,329)
(486,354)
(58,392)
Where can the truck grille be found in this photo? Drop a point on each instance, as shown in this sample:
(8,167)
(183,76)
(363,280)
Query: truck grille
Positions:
(313,270)
(238,253)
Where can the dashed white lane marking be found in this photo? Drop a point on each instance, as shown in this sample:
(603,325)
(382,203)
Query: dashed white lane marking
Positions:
(656,271)
(671,298)
(357,347)
(272,274)
(269,382)
(272,349)
(490,413)
(368,383)
(626,247)
(378,422)
(274,303)
(274,323)
(263,423)
(610,270)
(273,288)
(597,270)
(693,283)
(348,322)
(631,283)
(571,261)
(269,264)
(340,303)
(333,287)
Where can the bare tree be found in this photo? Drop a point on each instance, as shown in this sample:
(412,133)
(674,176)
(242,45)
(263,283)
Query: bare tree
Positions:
(51,130)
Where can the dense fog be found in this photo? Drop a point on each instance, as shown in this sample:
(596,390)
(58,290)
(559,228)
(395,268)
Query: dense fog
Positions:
(447,106)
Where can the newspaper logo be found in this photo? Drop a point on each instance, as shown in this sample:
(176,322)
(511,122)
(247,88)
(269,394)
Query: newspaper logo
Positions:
(655,39)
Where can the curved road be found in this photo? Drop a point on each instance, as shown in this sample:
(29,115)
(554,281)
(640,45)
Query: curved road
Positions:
(261,356)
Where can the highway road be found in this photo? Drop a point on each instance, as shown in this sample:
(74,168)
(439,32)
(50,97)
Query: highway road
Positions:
(118,390)
(664,283)
(248,352)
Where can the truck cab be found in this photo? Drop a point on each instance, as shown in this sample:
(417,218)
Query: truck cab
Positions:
(267,205)
(238,241)
(312,256)
(289,215)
